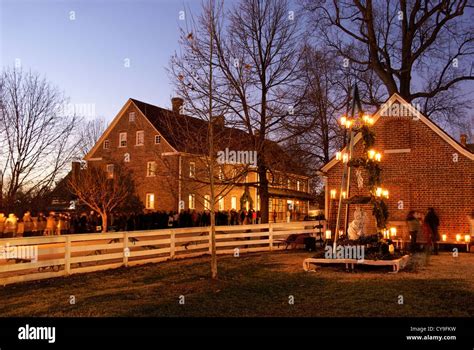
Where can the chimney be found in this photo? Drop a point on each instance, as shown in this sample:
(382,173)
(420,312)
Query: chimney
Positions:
(219,121)
(76,168)
(177,104)
(464,140)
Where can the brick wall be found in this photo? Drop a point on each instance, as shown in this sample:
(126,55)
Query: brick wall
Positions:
(426,176)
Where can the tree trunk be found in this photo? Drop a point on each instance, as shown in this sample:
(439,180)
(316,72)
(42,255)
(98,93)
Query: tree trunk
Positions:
(104,222)
(263,193)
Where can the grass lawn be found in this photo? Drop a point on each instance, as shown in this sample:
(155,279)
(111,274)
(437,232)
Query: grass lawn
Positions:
(253,285)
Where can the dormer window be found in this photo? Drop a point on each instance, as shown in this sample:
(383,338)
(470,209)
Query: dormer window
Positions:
(106,144)
(157,139)
(131,117)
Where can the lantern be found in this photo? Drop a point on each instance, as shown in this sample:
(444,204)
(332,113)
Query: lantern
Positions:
(333,194)
(338,155)
(443,237)
(378,192)
(393,231)
(344,194)
(458,238)
(385,193)
(467,238)
(345,158)
(371,154)
(343,120)
(378,157)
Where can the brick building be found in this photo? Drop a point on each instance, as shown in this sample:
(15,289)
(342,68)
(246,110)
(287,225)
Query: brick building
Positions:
(165,150)
(422,167)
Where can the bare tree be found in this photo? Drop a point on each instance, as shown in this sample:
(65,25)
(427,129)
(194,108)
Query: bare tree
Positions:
(89,133)
(418,49)
(205,134)
(256,48)
(37,141)
(103,191)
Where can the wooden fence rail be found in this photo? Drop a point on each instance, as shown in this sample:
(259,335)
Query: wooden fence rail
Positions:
(35,258)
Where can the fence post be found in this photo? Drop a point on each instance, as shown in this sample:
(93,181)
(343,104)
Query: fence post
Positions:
(270,236)
(67,256)
(126,251)
(172,244)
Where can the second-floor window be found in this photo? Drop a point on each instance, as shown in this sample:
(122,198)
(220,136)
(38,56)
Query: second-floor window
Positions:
(106,144)
(192,169)
(131,117)
(123,139)
(151,169)
(140,138)
(157,139)
(297,185)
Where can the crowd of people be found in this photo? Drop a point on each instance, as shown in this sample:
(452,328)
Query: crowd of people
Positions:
(39,224)
(423,229)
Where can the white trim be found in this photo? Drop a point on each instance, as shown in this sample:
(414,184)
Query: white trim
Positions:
(94,159)
(401,150)
(114,123)
(108,130)
(394,98)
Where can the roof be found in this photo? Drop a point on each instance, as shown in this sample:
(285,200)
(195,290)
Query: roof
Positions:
(188,134)
(467,151)
(470,147)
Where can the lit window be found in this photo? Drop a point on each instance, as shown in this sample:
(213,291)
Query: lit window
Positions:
(150,201)
(131,117)
(207,202)
(192,169)
(110,171)
(221,204)
(140,138)
(297,185)
(289,183)
(123,139)
(157,139)
(106,144)
(151,169)
(192,201)
(233,202)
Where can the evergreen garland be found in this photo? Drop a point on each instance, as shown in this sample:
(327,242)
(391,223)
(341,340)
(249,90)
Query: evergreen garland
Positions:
(380,209)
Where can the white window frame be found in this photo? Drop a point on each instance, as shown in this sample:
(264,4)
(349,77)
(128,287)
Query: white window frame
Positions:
(150,201)
(122,138)
(157,137)
(207,202)
(192,201)
(151,169)
(192,170)
(107,144)
(131,117)
(140,136)
(110,171)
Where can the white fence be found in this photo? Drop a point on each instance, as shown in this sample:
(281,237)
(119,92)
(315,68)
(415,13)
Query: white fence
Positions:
(70,254)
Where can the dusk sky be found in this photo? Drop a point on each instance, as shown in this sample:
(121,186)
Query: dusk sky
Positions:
(86,57)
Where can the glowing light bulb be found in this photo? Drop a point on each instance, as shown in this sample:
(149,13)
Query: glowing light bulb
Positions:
(371,154)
